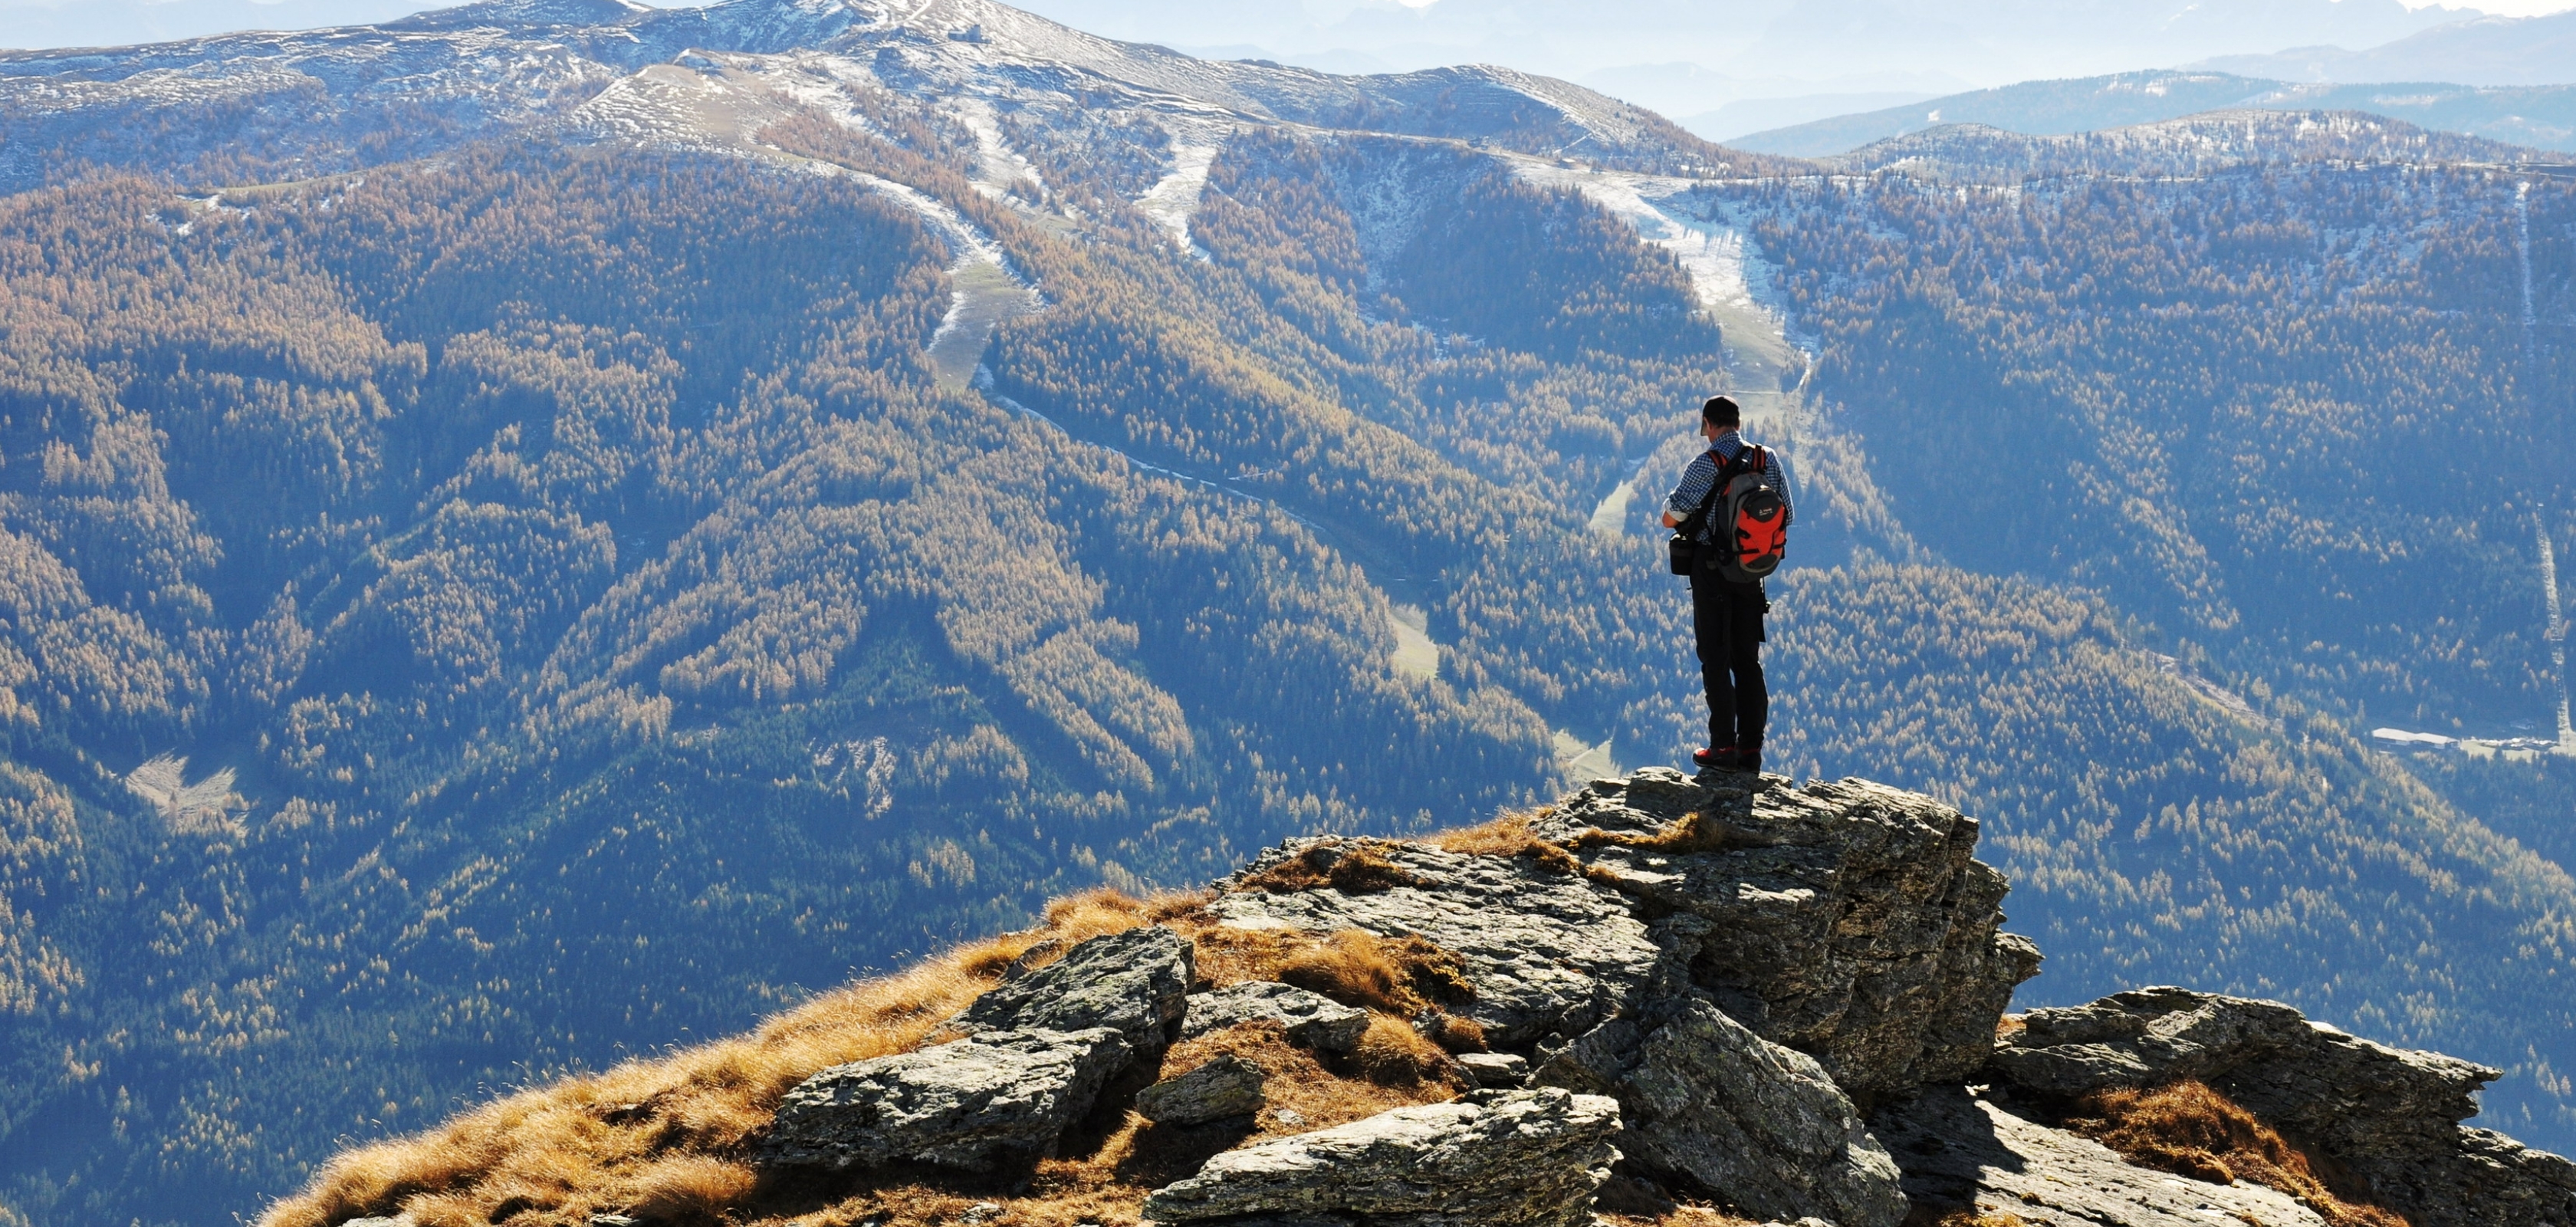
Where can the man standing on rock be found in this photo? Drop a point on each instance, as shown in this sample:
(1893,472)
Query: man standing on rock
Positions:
(1726,613)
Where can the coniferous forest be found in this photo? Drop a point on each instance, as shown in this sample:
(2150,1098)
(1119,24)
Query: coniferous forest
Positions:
(594,610)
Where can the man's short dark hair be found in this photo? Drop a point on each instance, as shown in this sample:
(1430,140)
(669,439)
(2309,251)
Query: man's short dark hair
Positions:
(1721,411)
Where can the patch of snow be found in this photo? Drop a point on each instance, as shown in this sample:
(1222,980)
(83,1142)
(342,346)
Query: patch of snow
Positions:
(2404,737)
(1725,267)
(2228,700)
(1417,655)
(1610,515)
(207,807)
(1174,199)
(1580,762)
(997,165)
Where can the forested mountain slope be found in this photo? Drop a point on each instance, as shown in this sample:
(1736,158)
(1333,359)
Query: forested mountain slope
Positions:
(2195,146)
(791,484)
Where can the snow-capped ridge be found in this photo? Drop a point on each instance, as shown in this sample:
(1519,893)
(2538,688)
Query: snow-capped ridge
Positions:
(514,14)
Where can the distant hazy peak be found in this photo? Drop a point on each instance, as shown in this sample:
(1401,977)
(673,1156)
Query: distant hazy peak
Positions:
(2478,51)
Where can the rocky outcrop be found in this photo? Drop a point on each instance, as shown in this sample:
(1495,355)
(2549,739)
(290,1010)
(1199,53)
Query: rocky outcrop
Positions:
(1710,1100)
(1847,920)
(1496,1068)
(1487,1159)
(1311,1019)
(1969,1153)
(982,1104)
(2388,1116)
(1225,1087)
(1135,983)
(1768,997)
(1548,954)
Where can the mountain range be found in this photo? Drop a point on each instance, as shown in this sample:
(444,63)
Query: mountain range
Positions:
(2538,117)
(2478,51)
(545,530)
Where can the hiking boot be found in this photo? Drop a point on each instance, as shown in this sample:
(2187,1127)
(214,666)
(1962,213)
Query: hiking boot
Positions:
(1748,760)
(1715,758)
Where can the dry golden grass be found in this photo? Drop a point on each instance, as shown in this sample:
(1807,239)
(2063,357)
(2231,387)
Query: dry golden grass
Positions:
(1694,832)
(1675,1216)
(1352,866)
(1301,1081)
(1399,975)
(2191,1130)
(1510,835)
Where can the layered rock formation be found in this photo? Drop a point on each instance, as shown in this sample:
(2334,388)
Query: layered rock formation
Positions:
(1784,1001)
(2389,1117)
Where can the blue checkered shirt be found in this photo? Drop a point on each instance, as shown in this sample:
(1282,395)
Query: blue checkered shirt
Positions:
(1702,474)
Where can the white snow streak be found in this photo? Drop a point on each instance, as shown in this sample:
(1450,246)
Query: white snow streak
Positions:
(1173,200)
(2522,232)
(1725,270)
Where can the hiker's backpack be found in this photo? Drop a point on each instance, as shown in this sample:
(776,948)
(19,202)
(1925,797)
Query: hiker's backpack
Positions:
(1746,499)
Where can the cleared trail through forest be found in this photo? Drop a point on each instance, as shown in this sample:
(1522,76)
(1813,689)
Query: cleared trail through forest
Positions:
(1766,370)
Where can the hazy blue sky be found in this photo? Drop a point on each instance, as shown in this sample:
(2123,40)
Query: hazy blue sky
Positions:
(1680,56)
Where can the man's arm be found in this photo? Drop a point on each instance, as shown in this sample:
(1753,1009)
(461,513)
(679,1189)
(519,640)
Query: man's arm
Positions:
(1696,484)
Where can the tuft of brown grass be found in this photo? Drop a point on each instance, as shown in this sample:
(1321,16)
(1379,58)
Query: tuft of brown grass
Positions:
(1351,866)
(2189,1129)
(1509,835)
(1678,1216)
(1398,975)
(1392,1053)
(1325,1091)
(1451,1032)
(1695,831)
(690,1189)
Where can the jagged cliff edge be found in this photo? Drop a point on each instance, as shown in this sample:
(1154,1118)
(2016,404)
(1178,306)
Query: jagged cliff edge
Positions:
(1779,1001)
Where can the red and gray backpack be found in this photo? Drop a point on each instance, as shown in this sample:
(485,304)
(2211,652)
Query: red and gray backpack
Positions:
(1746,500)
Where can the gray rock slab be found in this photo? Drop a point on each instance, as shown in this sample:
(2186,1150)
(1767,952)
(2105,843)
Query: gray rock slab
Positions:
(2388,1115)
(1224,1087)
(1547,952)
(1487,1159)
(1136,983)
(1957,1151)
(1311,1019)
(1847,920)
(1496,1068)
(1757,1123)
(985,1103)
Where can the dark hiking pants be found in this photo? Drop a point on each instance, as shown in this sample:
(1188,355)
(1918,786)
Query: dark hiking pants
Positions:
(1728,618)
